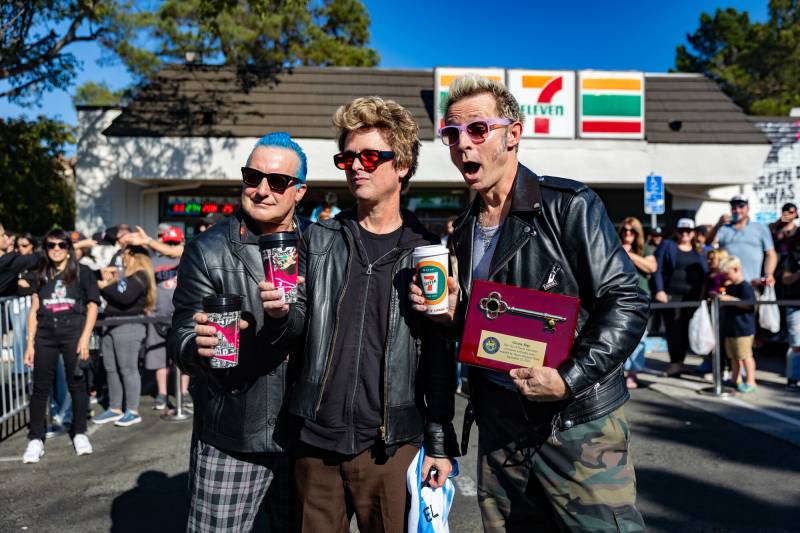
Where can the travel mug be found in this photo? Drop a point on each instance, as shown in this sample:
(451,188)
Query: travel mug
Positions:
(223,312)
(279,254)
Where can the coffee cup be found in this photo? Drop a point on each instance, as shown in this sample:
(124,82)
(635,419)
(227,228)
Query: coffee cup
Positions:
(224,312)
(279,254)
(431,265)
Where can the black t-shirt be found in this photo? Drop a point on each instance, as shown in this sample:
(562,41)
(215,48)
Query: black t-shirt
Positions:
(687,277)
(739,322)
(59,298)
(127,297)
(351,412)
(791,264)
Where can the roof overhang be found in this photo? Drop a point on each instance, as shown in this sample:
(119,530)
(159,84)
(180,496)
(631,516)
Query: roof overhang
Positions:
(168,159)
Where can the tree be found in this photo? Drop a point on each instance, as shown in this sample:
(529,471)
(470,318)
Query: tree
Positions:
(273,34)
(36,194)
(267,35)
(99,94)
(35,37)
(756,64)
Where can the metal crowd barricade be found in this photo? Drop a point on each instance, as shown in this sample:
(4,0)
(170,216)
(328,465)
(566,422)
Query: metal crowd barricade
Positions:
(715,309)
(14,376)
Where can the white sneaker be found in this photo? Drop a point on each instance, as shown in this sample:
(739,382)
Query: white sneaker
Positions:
(82,444)
(33,452)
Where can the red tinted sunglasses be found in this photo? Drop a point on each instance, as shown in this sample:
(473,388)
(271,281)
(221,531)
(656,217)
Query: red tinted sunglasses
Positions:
(277,182)
(370,159)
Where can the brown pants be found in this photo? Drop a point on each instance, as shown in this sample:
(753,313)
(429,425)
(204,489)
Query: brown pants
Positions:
(332,487)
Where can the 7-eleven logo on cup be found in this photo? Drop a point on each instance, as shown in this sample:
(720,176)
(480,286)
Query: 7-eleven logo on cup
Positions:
(434,282)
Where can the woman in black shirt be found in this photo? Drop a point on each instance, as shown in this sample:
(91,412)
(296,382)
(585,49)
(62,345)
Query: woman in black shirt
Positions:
(679,277)
(131,294)
(60,322)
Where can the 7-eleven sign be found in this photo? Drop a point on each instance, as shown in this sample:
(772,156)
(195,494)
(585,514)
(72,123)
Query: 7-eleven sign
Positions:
(547,99)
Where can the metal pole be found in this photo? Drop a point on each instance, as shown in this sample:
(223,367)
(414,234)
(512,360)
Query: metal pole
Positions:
(716,358)
(179,414)
(653,220)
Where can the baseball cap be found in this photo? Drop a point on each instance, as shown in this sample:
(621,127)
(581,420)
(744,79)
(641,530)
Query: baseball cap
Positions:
(656,231)
(172,234)
(685,223)
(740,199)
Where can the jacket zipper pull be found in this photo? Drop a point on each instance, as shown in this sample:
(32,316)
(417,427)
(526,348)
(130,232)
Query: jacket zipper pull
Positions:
(596,388)
(383,433)
(369,269)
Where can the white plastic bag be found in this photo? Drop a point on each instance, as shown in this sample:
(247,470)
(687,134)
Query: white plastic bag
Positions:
(769,316)
(701,333)
(429,507)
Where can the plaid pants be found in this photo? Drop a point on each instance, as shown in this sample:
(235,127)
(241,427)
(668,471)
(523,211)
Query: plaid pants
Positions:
(228,488)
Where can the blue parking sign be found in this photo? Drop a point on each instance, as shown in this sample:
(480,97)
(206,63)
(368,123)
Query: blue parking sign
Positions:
(654,202)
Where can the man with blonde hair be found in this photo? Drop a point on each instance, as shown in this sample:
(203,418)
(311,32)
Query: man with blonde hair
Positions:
(375,381)
(553,442)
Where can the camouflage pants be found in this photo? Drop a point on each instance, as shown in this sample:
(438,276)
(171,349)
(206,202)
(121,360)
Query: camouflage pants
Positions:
(583,482)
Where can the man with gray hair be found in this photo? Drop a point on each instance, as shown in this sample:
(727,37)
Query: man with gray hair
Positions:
(239,443)
(553,442)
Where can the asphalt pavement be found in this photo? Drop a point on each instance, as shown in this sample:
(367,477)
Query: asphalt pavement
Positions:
(696,472)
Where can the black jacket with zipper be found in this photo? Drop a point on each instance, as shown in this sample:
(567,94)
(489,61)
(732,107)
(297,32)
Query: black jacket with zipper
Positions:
(418,375)
(240,409)
(558,238)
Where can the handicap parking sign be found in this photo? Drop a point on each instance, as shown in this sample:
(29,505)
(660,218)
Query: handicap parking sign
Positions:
(654,202)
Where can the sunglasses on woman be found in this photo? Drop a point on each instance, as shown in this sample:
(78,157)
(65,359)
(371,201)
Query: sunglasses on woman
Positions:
(277,182)
(370,159)
(477,131)
(628,230)
(50,245)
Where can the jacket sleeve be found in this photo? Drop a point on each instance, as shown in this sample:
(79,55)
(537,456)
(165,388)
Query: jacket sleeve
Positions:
(608,286)
(658,275)
(194,282)
(437,369)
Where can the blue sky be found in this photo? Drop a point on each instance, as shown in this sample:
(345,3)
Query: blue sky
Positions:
(610,35)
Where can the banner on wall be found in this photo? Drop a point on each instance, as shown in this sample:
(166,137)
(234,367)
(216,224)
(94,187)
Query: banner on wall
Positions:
(547,99)
(443,77)
(779,182)
(610,104)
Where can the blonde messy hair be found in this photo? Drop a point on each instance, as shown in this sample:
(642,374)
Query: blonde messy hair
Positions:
(396,124)
(473,85)
(729,263)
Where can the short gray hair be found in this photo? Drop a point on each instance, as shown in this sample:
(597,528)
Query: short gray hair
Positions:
(473,84)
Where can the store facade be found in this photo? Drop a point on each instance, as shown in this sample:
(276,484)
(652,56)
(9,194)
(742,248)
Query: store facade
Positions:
(173,154)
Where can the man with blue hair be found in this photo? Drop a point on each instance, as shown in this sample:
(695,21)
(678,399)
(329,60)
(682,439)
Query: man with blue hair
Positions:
(239,444)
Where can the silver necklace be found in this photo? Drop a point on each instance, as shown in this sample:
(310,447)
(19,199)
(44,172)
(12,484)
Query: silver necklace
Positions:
(486,239)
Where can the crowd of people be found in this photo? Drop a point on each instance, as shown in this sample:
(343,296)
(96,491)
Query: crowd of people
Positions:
(335,396)
(735,260)
(119,276)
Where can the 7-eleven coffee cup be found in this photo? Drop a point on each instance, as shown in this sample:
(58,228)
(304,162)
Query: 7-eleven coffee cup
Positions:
(431,263)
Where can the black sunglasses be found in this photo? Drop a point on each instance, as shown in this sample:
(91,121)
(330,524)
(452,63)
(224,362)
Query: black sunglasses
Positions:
(370,159)
(50,245)
(277,182)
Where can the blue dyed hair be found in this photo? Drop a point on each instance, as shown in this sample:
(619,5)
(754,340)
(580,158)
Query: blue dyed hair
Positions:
(281,139)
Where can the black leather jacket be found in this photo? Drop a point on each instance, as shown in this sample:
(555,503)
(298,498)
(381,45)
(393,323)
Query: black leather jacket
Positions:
(557,237)
(418,379)
(239,409)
